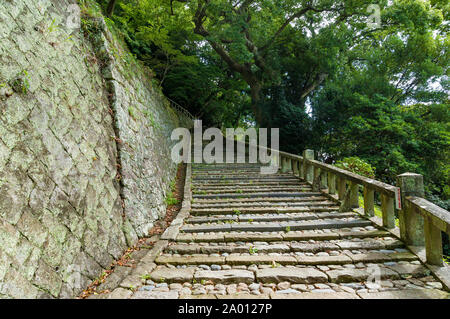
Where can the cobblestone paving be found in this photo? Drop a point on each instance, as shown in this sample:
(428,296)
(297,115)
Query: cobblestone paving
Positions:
(254,236)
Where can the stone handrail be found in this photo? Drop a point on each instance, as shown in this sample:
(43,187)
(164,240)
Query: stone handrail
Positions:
(431,220)
(420,221)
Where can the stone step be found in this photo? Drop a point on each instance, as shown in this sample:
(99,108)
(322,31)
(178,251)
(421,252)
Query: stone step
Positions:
(270,237)
(225,276)
(263,210)
(286,247)
(226,173)
(292,275)
(221,182)
(255,195)
(219,178)
(176,275)
(383,272)
(275,226)
(267,217)
(311,198)
(234,170)
(199,166)
(250,183)
(249,187)
(226,191)
(286,259)
(406,294)
(321,202)
(172,275)
(282,280)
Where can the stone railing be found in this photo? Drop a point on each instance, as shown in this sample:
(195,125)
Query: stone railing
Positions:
(181,109)
(420,221)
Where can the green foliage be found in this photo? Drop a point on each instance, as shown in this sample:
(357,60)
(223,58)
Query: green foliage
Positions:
(146,277)
(21,82)
(151,119)
(171,200)
(133,112)
(356,165)
(252,250)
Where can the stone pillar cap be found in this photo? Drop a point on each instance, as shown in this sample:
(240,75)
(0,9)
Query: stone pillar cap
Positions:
(409,174)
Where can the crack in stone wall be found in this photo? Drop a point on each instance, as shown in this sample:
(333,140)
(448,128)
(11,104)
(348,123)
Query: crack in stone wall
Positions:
(62,217)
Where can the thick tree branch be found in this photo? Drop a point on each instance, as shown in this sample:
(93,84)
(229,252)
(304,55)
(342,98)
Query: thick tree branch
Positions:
(292,18)
(317,81)
(110,9)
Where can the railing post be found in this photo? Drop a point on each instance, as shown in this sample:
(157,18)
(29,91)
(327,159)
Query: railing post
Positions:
(341,188)
(433,243)
(354,202)
(283,164)
(410,221)
(331,183)
(295,167)
(317,179)
(324,180)
(307,168)
(369,209)
(286,165)
(387,208)
(301,169)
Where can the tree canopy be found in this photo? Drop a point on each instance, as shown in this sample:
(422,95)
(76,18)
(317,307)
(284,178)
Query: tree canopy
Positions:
(332,75)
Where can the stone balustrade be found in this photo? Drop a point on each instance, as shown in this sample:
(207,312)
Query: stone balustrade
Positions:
(420,221)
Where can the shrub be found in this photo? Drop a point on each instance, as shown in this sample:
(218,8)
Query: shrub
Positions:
(357,165)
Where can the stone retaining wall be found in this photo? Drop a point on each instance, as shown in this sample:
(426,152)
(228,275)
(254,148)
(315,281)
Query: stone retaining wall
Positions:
(84,150)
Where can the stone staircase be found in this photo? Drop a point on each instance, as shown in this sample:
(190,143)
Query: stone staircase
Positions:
(249,235)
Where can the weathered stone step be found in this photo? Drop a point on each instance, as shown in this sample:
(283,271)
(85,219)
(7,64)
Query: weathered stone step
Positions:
(264,210)
(406,294)
(275,226)
(278,237)
(172,275)
(220,182)
(249,183)
(394,272)
(177,275)
(292,275)
(232,187)
(234,190)
(225,276)
(297,275)
(321,202)
(286,259)
(198,166)
(286,247)
(266,218)
(255,195)
(310,198)
(190,249)
(247,177)
(215,173)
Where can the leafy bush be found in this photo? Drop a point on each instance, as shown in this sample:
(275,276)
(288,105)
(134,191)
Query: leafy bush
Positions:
(357,165)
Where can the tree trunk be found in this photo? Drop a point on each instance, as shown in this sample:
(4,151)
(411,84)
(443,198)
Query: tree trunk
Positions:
(110,9)
(255,92)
